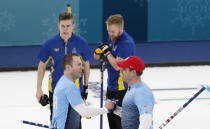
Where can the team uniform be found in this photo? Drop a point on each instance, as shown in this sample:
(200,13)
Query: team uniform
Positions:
(66,97)
(53,51)
(138,100)
(123,47)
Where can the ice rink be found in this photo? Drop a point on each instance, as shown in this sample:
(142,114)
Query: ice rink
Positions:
(172,87)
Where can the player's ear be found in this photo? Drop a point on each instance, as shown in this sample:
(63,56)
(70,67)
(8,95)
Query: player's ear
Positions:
(120,29)
(59,26)
(73,26)
(68,67)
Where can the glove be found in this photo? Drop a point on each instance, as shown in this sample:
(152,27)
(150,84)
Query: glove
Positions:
(85,93)
(44,100)
(103,48)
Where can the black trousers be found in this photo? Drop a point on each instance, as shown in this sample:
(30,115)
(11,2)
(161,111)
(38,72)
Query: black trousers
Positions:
(51,109)
(115,120)
(51,105)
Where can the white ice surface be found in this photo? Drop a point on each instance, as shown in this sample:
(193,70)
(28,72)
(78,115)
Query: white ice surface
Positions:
(18,102)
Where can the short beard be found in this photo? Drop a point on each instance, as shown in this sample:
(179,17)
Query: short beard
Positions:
(115,38)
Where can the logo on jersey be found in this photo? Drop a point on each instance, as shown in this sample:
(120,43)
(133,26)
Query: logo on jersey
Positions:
(74,50)
(56,49)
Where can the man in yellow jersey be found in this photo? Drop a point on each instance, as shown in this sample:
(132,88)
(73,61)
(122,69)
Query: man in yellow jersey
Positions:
(53,51)
(120,46)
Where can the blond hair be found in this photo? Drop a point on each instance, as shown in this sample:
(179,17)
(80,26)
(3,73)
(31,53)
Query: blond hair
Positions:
(116,19)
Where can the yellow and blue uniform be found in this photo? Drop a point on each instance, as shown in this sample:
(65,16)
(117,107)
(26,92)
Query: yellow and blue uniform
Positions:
(53,51)
(123,48)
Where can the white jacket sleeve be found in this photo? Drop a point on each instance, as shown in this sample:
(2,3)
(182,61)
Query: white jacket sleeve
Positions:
(86,111)
(118,111)
(145,121)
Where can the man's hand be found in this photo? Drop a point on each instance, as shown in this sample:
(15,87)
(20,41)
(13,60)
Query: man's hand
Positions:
(109,105)
(85,93)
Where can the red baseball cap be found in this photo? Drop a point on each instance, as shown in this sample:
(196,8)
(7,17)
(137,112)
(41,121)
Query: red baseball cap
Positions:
(133,62)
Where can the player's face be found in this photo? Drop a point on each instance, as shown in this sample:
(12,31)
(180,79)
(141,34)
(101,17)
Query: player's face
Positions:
(77,67)
(114,32)
(66,27)
(127,74)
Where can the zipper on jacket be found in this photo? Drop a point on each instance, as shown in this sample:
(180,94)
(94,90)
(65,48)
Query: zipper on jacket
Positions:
(66,42)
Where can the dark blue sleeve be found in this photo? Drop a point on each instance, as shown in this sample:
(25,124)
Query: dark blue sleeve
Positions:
(44,53)
(125,49)
(86,53)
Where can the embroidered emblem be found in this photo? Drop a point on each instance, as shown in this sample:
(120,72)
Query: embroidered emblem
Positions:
(56,49)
